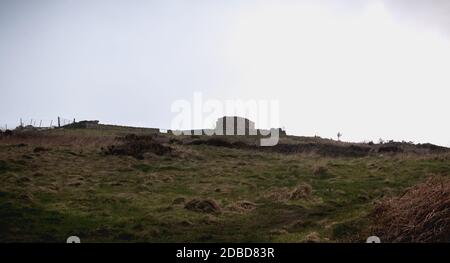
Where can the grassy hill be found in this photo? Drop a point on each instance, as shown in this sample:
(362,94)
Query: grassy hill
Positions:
(102,185)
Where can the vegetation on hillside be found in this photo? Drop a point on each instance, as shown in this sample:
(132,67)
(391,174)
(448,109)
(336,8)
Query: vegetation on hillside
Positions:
(102,185)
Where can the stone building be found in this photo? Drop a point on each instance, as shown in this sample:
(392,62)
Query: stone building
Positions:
(233,125)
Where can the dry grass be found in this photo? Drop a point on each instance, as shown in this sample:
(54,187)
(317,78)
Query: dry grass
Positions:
(301,191)
(422,214)
(48,140)
(242,206)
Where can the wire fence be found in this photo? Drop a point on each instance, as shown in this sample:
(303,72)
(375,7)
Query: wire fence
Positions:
(39,123)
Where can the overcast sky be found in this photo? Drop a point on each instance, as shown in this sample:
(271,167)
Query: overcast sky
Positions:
(369,69)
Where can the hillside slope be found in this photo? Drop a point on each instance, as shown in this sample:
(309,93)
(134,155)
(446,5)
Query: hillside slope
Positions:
(163,188)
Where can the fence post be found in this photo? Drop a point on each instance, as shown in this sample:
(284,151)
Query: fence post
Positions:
(51,122)
(40,123)
(59,122)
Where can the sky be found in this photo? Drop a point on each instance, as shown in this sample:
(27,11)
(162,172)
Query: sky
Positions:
(369,69)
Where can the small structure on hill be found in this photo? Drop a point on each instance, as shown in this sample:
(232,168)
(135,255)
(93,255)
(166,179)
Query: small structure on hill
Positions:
(231,125)
(235,126)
